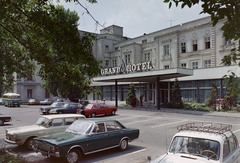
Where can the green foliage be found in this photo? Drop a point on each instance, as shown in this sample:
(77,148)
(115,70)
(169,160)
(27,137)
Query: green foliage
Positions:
(131,93)
(213,96)
(176,99)
(6,157)
(37,31)
(196,107)
(230,99)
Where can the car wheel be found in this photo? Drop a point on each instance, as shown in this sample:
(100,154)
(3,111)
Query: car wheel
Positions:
(1,122)
(123,145)
(18,105)
(60,112)
(28,143)
(73,156)
(93,115)
(113,112)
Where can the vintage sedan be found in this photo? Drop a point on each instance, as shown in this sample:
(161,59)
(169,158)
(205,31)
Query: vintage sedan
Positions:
(66,108)
(94,109)
(202,142)
(4,118)
(46,102)
(84,137)
(33,102)
(45,125)
(45,110)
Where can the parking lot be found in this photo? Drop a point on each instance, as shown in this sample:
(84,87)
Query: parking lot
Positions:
(156,131)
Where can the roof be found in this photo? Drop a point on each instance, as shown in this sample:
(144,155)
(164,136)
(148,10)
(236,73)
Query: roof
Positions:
(62,116)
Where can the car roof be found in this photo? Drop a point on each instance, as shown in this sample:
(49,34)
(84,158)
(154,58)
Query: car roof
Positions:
(52,116)
(96,103)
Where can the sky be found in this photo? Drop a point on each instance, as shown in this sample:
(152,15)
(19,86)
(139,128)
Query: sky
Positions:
(135,16)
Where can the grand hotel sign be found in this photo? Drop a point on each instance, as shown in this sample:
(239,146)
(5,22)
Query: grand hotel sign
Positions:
(124,68)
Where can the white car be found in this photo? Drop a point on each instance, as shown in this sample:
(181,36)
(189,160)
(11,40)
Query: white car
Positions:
(202,143)
(45,125)
(46,102)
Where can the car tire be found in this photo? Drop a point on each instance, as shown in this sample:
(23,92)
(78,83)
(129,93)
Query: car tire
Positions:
(113,112)
(123,145)
(28,143)
(74,156)
(18,105)
(60,112)
(93,115)
(1,122)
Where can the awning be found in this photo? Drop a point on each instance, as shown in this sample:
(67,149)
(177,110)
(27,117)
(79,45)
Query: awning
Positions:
(146,76)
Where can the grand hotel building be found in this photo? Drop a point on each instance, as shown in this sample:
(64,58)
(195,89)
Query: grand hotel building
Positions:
(190,52)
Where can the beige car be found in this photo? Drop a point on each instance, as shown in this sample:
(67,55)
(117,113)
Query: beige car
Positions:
(45,125)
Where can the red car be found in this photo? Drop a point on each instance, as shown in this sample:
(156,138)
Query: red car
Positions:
(93,109)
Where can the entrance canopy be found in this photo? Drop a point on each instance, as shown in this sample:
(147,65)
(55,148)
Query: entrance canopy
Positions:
(146,76)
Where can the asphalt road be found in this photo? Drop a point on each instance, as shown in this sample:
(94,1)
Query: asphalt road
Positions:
(156,132)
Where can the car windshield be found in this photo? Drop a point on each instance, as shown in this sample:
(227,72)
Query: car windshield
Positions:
(57,104)
(80,127)
(89,106)
(42,121)
(196,146)
(32,100)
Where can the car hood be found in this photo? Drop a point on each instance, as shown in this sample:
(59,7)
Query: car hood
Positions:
(181,158)
(23,129)
(62,137)
(6,116)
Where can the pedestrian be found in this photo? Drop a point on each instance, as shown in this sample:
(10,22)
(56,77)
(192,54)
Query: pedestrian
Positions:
(83,108)
(141,98)
(134,101)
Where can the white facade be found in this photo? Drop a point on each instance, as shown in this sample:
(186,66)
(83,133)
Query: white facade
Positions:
(193,45)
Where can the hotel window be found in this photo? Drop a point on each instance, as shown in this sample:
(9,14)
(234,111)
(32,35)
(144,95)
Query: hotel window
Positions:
(106,48)
(144,41)
(114,63)
(47,94)
(183,65)
(183,47)
(166,67)
(207,43)
(29,76)
(127,59)
(195,65)
(227,42)
(106,63)
(29,93)
(147,57)
(207,63)
(166,50)
(194,44)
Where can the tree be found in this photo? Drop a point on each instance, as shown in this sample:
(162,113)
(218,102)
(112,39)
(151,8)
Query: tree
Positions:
(131,93)
(213,96)
(227,10)
(176,100)
(39,31)
(230,99)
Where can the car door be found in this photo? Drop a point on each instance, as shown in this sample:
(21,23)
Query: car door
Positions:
(97,109)
(115,133)
(55,125)
(231,150)
(104,109)
(99,138)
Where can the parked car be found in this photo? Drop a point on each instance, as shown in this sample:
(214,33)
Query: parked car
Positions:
(66,108)
(94,109)
(4,118)
(45,125)
(33,102)
(202,142)
(46,102)
(45,110)
(84,137)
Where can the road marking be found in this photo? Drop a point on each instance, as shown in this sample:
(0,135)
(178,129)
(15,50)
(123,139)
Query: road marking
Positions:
(131,117)
(143,121)
(236,131)
(121,155)
(169,123)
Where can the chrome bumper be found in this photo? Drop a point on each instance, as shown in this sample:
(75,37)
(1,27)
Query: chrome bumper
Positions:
(46,153)
(11,142)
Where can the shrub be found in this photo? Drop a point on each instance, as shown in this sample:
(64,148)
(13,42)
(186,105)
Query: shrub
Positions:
(6,157)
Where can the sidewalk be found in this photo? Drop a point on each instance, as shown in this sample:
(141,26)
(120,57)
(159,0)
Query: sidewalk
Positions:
(181,111)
